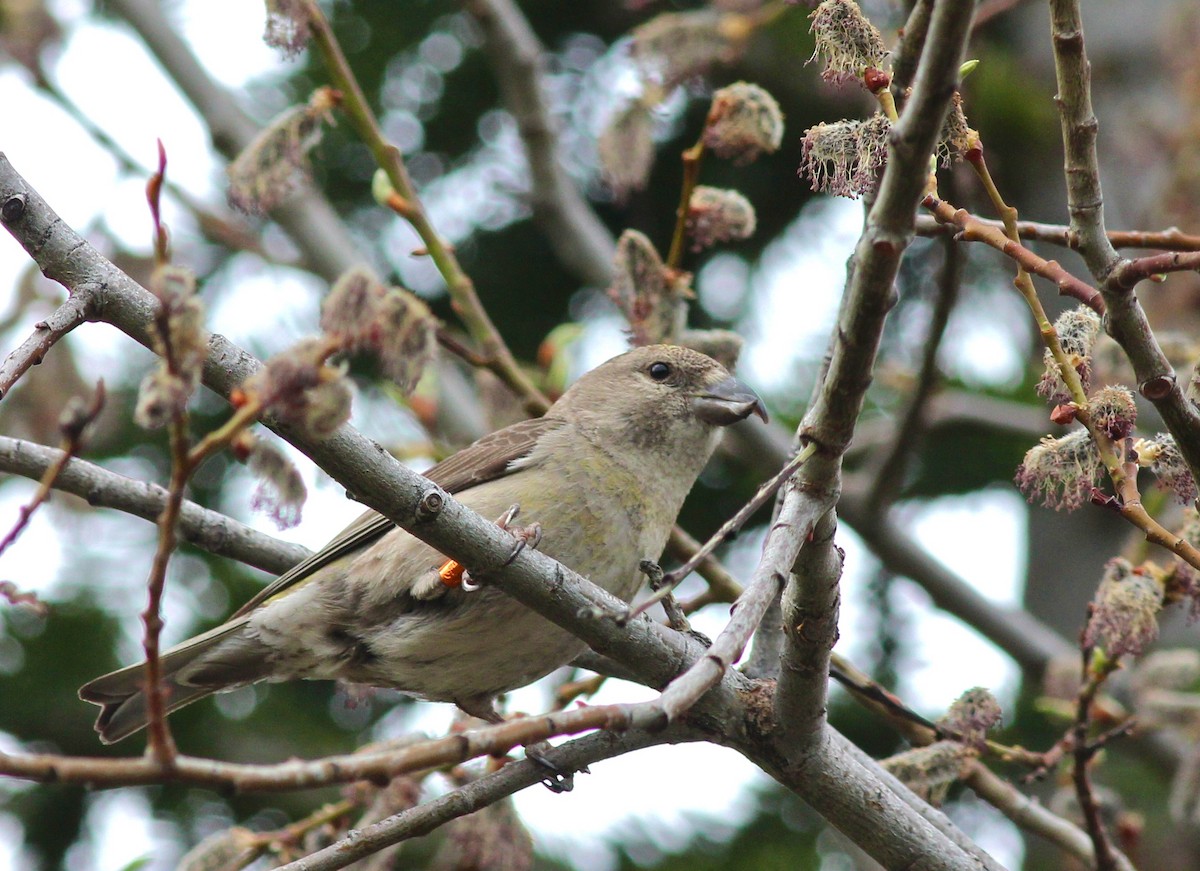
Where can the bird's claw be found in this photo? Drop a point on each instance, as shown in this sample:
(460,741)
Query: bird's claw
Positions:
(530,535)
(556,779)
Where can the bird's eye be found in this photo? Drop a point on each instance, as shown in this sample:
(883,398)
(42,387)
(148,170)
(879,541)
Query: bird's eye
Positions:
(659,371)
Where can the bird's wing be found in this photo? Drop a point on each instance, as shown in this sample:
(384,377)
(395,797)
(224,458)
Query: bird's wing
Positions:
(486,460)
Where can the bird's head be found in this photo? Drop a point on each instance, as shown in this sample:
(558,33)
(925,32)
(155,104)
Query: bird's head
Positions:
(662,399)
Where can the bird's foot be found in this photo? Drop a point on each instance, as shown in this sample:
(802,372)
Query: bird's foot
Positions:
(556,779)
(526,536)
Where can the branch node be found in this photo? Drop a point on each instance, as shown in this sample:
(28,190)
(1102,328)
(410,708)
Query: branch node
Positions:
(1157,388)
(430,505)
(13,208)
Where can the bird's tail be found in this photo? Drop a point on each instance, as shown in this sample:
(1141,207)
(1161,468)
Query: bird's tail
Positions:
(220,659)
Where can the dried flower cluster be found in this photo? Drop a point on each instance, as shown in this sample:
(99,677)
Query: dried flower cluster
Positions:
(647,292)
(849,43)
(281,491)
(288,26)
(181,343)
(626,149)
(718,215)
(1125,610)
(675,46)
(391,323)
(724,346)
(957,139)
(743,123)
(271,166)
(845,158)
(1113,411)
(931,771)
(301,390)
(1062,472)
(971,716)
(1166,462)
(1077,329)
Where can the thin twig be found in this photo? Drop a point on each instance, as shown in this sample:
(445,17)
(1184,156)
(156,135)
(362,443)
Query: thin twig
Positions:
(487,790)
(74,425)
(301,774)
(1130,272)
(687,689)
(974,230)
(692,158)
(1032,816)
(722,585)
(458,284)
(1171,239)
(1092,680)
(75,310)
(728,530)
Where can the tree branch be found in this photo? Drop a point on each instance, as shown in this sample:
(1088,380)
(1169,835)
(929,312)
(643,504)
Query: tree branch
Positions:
(300,774)
(307,217)
(207,530)
(810,607)
(1034,817)
(1171,239)
(972,229)
(578,238)
(512,778)
(1127,321)
(74,311)
(1085,199)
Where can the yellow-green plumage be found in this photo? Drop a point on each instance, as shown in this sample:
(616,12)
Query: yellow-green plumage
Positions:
(605,473)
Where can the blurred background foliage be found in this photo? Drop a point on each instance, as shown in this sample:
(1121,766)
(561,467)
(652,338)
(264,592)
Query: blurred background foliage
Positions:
(422,64)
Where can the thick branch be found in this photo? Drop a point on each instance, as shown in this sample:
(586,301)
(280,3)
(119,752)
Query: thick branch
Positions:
(851,791)
(870,294)
(208,530)
(1085,199)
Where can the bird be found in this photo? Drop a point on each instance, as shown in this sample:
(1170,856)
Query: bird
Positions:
(604,473)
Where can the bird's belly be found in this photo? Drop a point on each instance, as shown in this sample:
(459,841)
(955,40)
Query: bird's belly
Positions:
(360,623)
(490,645)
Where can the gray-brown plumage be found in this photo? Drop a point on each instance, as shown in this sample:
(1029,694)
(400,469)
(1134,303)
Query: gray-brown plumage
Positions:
(605,473)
